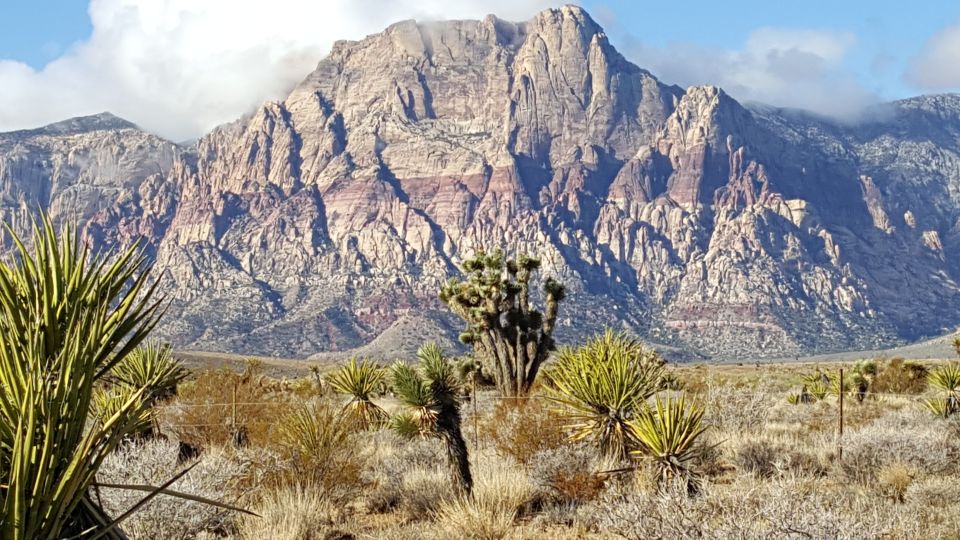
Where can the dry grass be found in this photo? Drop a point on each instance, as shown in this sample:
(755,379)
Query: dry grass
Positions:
(774,471)
(290,513)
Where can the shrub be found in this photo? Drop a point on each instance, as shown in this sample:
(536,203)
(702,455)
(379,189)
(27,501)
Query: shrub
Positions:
(894,480)
(898,376)
(757,457)
(668,435)
(521,429)
(203,412)
(67,319)
(600,386)
(362,382)
(218,475)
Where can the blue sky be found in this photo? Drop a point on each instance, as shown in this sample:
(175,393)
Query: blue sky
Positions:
(169,64)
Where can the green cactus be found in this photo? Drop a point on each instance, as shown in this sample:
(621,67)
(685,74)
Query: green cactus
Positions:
(507,332)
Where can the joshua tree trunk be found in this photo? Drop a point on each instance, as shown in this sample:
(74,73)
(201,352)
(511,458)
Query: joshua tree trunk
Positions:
(448,426)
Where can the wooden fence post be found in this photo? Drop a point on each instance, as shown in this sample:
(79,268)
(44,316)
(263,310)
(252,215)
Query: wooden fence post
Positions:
(840,441)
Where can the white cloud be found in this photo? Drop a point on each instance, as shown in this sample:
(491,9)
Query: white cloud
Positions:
(783,67)
(179,67)
(936,67)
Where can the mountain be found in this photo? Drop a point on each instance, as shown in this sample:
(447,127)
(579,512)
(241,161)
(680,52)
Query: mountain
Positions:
(330,219)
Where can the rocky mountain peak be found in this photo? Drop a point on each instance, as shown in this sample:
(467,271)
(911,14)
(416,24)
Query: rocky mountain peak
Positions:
(329,219)
(82,124)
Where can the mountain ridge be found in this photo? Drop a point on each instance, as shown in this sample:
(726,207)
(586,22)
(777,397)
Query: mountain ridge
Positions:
(317,222)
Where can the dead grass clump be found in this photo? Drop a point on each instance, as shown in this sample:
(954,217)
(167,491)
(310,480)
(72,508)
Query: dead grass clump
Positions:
(405,475)
(894,479)
(290,513)
(522,428)
(501,493)
(899,376)
(906,436)
(202,415)
(568,474)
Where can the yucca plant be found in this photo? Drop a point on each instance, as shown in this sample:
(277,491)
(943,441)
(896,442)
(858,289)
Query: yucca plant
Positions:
(818,389)
(315,438)
(361,381)
(430,393)
(946,379)
(153,366)
(941,407)
(668,434)
(66,319)
(109,401)
(600,386)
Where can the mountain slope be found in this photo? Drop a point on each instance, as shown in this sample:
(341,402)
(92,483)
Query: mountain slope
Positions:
(319,222)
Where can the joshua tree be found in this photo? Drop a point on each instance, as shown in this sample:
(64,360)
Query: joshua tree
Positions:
(511,337)
(431,394)
(601,385)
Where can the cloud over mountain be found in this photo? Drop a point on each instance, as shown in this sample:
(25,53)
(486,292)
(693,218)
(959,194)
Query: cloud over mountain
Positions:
(179,67)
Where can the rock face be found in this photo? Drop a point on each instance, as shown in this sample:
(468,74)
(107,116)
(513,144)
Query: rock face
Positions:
(327,220)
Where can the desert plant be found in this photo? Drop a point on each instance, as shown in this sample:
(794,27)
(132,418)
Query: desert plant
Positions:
(108,402)
(898,376)
(431,395)
(599,387)
(66,319)
(668,434)
(318,443)
(511,337)
(153,366)
(946,379)
(361,381)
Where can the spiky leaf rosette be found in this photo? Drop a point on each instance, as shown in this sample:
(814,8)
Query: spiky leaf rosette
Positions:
(151,365)
(109,402)
(668,434)
(66,319)
(946,378)
(413,391)
(600,386)
(361,381)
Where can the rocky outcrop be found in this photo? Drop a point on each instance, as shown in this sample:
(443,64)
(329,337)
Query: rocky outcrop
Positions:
(330,219)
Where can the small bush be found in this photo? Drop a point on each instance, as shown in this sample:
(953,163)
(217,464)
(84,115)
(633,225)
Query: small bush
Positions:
(202,414)
(757,457)
(290,513)
(898,376)
(894,480)
(218,476)
(521,429)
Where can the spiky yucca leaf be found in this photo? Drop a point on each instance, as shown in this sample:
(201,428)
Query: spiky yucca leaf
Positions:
(66,319)
(406,425)
(109,402)
(361,381)
(942,406)
(151,365)
(946,378)
(668,433)
(600,386)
